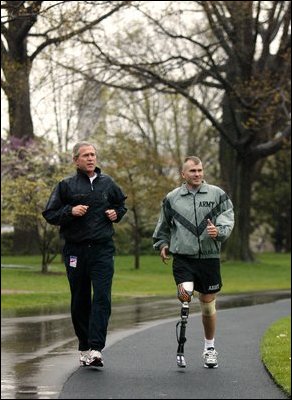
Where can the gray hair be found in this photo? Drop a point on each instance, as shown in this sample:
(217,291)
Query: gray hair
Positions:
(77,147)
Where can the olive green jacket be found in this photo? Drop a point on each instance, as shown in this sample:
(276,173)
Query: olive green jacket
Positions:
(183,221)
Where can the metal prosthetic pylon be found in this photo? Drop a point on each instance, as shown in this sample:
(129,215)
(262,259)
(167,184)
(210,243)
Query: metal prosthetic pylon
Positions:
(181,337)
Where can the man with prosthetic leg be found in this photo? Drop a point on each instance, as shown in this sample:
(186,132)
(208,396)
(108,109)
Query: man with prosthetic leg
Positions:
(195,219)
(185,291)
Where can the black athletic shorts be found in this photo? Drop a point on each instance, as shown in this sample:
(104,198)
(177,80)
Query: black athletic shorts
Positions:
(203,272)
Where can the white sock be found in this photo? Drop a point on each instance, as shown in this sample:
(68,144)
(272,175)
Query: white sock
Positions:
(209,343)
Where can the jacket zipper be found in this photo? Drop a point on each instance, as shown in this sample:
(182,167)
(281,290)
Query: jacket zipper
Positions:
(91,184)
(199,242)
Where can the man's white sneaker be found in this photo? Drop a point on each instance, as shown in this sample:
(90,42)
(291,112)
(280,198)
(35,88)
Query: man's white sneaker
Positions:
(210,358)
(83,357)
(94,359)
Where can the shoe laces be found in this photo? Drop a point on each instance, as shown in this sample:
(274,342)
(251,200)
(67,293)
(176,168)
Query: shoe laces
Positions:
(210,352)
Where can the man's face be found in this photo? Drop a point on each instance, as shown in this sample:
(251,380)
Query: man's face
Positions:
(86,161)
(192,173)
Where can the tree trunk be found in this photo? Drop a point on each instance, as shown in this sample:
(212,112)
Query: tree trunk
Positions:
(45,267)
(238,179)
(237,172)
(16,66)
(137,240)
(18,94)
(48,248)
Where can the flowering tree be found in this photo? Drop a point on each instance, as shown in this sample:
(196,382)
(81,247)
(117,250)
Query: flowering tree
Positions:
(26,187)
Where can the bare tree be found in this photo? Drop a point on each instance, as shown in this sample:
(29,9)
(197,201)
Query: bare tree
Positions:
(29,27)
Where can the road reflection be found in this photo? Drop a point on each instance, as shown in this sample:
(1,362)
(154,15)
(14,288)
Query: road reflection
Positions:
(38,351)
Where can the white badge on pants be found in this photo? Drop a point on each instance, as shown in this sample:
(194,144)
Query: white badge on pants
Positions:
(73,261)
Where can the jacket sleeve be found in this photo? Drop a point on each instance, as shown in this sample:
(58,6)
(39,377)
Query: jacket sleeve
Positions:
(56,211)
(161,235)
(117,200)
(225,221)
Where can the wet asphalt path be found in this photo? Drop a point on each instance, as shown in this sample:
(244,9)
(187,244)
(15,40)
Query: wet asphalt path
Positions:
(142,363)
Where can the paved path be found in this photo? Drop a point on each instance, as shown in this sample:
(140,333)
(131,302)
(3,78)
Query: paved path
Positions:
(143,365)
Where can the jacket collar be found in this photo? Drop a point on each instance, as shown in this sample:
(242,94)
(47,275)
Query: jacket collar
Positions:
(203,188)
(97,170)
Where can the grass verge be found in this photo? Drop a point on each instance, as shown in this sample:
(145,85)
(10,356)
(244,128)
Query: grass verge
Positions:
(276,353)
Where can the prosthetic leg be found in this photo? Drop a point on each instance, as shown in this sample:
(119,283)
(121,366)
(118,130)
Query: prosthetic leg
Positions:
(184,294)
(181,337)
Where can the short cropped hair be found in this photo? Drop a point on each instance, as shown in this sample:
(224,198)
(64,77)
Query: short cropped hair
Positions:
(77,147)
(193,158)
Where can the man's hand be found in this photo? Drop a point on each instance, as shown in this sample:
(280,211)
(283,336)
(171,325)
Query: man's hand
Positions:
(111,214)
(164,254)
(212,230)
(79,211)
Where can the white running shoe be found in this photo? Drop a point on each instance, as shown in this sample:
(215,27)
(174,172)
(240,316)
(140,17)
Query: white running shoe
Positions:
(210,358)
(94,359)
(83,357)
